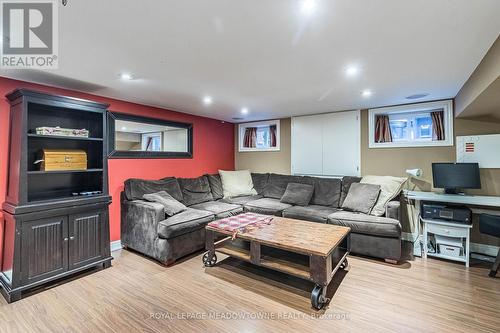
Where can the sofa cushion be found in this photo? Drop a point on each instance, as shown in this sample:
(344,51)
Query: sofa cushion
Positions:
(215,186)
(326,191)
(184,222)
(361,198)
(237,183)
(276,185)
(259,181)
(241,200)
(195,190)
(170,205)
(314,213)
(220,209)
(346,185)
(366,224)
(298,194)
(268,206)
(136,188)
(390,187)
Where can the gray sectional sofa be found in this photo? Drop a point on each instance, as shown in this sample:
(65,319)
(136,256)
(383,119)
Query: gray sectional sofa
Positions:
(145,227)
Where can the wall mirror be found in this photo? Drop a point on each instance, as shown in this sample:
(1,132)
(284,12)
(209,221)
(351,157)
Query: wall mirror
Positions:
(142,137)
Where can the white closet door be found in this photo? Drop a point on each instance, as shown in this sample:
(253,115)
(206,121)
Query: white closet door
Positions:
(307,145)
(341,144)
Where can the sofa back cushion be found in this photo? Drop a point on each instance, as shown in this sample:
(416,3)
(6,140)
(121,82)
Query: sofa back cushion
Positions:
(346,185)
(390,187)
(259,181)
(195,190)
(361,198)
(276,185)
(326,191)
(216,186)
(136,188)
(237,183)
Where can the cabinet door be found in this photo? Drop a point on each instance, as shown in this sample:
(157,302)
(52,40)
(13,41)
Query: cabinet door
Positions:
(307,145)
(44,248)
(341,144)
(87,233)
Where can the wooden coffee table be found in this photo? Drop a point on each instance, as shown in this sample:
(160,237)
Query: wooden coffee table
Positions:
(308,250)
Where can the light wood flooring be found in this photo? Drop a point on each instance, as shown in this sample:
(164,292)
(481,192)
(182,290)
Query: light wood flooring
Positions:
(139,295)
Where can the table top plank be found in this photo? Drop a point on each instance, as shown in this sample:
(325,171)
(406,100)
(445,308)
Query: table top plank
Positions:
(296,235)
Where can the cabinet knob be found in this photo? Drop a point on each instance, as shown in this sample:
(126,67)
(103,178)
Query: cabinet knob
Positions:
(65,239)
(72,238)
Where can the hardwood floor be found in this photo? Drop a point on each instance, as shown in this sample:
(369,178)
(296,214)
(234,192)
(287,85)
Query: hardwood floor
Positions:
(137,294)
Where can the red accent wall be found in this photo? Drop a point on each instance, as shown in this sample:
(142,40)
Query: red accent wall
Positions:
(213,147)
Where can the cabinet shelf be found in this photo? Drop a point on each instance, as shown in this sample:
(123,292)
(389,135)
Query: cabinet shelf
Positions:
(51,172)
(58,137)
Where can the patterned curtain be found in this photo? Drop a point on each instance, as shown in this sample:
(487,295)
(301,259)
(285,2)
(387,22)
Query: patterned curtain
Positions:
(272,132)
(437,125)
(382,129)
(250,138)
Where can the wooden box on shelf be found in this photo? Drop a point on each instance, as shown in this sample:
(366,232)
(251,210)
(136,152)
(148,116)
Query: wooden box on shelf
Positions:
(57,159)
(48,232)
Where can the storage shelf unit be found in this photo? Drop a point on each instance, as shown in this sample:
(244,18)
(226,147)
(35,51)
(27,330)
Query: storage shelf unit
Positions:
(459,231)
(41,211)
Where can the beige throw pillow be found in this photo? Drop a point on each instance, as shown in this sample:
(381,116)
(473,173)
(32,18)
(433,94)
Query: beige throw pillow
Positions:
(236,183)
(389,188)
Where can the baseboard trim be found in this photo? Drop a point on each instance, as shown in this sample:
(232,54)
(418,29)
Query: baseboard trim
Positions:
(489,250)
(115,245)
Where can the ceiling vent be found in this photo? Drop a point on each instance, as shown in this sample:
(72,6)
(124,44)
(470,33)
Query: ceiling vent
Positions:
(417,96)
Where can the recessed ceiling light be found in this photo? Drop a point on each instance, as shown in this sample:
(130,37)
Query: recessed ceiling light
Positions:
(126,76)
(308,7)
(124,128)
(207,100)
(417,96)
(366,93)
(244,110)
(352,71)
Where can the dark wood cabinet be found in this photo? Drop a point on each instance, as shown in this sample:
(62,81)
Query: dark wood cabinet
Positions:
(86,238)
(45,248)
(48,231)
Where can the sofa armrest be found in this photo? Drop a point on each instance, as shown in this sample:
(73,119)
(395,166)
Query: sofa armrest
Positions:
(139,223)
(393,210)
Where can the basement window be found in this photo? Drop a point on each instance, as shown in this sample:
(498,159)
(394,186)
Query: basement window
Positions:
(259,136)
(412,125)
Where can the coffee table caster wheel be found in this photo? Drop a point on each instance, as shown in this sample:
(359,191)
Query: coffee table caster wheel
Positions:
(318,298)
(344,264)
(208,260)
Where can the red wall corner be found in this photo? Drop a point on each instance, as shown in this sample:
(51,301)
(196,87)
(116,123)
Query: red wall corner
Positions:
(213,146)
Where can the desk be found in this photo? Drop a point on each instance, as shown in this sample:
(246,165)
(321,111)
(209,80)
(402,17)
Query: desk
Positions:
(492,202)
(476,200)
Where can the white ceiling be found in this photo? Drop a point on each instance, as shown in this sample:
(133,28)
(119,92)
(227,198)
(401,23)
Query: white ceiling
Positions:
(267,55)
(136,127)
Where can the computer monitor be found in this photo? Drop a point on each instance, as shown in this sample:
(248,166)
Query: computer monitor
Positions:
(455,176)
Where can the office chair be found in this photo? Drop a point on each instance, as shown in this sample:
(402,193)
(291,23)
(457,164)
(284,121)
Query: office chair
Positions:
(490,225)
